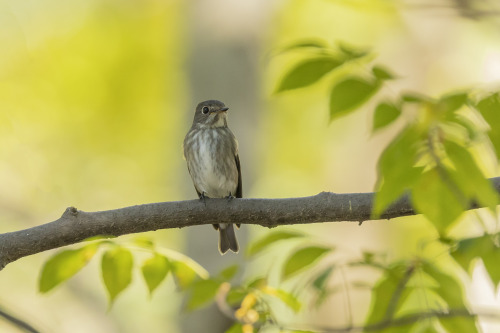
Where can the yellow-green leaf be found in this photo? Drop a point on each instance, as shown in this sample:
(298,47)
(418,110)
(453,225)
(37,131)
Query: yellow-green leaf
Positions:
(202,292)
(308,72)
(490,110)
(154,271)
(437,199)
(290,300)
(302,259)
(385,113)
(64,265)
(350,94)
(229,272)
(184,275)
(116,267)
(382,73)
(269,239)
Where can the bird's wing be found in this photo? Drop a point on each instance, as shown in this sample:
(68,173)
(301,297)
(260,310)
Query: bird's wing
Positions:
(239,189)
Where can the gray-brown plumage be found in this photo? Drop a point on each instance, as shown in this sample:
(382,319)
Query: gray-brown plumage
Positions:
(211,152)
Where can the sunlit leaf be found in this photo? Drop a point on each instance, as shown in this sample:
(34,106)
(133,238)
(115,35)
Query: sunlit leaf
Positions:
(116,268)
(490,110)
(412,97)
(460,324)
(291,301)
(184,275)
(320,281)
(154,271)
(384,293)
(351,51)
(258,283)
(64,265)
(447,287)
(437,199)
(472,130)
(483,247)
(385,113)
(397,172)
(202,292)
(229,272)
(382,73)
(350,94)
(302,259)
(308,72)
(469,177)
(236,295)
(262,243)
(236,328)
(452,102)
(304,44)
(451,291)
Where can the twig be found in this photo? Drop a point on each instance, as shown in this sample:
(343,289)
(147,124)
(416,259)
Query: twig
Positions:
(18,322)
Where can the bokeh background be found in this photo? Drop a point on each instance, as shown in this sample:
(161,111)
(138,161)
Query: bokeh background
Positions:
(96,97)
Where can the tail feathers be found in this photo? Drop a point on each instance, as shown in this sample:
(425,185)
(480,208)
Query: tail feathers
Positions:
(227,239)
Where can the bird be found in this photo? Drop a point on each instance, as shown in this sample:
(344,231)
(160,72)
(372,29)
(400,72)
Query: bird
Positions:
(211,153)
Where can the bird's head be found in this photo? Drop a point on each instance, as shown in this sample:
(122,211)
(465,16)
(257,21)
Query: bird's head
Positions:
(211,113)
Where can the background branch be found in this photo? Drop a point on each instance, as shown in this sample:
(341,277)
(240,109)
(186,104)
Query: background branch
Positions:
(76,225)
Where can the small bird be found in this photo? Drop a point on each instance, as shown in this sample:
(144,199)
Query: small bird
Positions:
(211,153)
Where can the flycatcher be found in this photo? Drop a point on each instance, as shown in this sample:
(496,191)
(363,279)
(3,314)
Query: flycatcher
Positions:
(211,152)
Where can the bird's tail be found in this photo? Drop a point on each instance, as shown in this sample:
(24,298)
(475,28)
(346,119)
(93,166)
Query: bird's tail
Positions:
(227,239)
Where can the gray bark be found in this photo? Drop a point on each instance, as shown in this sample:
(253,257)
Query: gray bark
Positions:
(76,225)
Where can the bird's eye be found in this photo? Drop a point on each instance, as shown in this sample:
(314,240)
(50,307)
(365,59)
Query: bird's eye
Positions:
(205,110)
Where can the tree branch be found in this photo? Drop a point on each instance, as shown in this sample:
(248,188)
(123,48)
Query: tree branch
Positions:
(76,225)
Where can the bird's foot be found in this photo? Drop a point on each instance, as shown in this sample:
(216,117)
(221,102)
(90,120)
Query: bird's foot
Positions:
(229,197)
(203,197)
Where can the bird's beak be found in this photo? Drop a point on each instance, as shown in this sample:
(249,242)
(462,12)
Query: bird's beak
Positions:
(224,109)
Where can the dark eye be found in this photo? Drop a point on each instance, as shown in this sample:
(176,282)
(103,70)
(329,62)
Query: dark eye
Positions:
(205,110)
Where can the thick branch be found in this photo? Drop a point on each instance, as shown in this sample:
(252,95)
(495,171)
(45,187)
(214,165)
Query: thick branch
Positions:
(76,225)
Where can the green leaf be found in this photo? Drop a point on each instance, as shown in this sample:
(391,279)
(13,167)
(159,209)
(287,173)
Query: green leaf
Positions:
(236,328)
(64,265)
(452,102)
(385,113)
(261,244)
(202,292)
(460,324)
(258,283)
(471,129)
(304,44)
(484,248)
(351,51)
(154,271)
(394,280)
(382,73)
(320,281)
(412,97)
(229,272)
(489,108)
(236,295)
(184,275)
(435,199)
(291,301)
(447,287)
(350,94)
(469,177)
(308,72)
(303,258)
(450,290)
(397,173)
(116,268)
